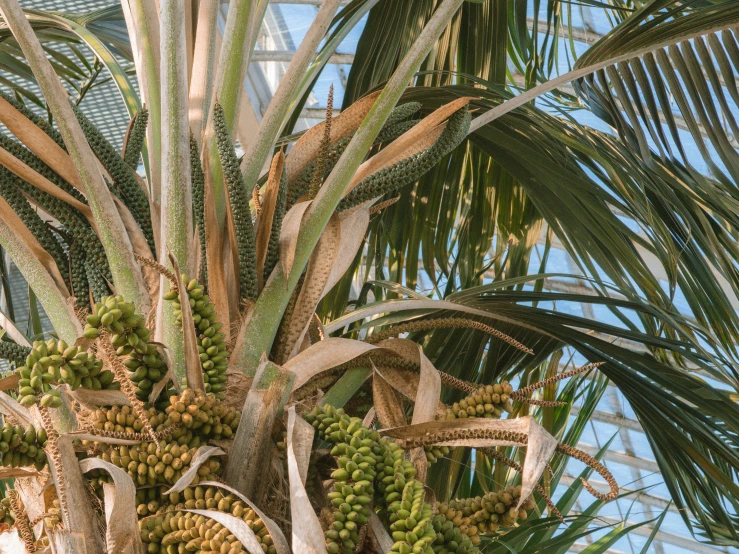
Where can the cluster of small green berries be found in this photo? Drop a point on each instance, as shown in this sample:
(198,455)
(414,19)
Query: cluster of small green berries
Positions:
(357,451)
(434,453)
(6,513)
(136,139)
(484,515)
(122,419)
(125,185)
(53,361)
(239,205)
(410,521)
(149,465)
(21,448)
(130,337)
(488,401)
(450,539)
(171,530)
(211,342)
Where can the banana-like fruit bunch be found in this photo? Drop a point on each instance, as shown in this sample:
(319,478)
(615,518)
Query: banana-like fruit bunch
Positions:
(22,447)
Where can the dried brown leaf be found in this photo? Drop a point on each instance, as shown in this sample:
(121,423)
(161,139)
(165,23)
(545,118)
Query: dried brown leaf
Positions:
(17,473)
(307,534)
(326,354)
(217,286)
(120,506)
(266,215)
(9,382)
(11,407)
(386,402)
(95,398)
(316,278)
(238,527)
(39,143)
(291,225)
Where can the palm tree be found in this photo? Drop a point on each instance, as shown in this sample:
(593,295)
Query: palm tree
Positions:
(476,164)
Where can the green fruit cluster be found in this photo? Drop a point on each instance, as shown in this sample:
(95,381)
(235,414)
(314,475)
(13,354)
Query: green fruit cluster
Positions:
(386,468)
(198,204)
(203,414)
(171,530)
(484,515)
(22,448)
(122,419)
(410,521)
(38,227)
(149,465)
(69,365)
(148,501)
(82,235)
(6,512)
(78,275)
(211,342)
(130,337)
(357,451)
(450,539)
(433,453)
(488,401)
(273,248)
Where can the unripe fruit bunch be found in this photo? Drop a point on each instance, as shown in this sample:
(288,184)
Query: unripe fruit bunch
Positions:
(173,530)
(488,401)
(148,465)
(211,342)
(130,336)
(484,515)
(204,414)
(21,448)
(53,361)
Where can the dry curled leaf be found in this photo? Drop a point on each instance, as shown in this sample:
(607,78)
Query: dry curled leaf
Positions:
(306,528)
(120,506)
(326,354)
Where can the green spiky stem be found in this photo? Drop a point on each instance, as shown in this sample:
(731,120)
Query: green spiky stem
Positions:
(136,140)
(257,335)
(273,249)
(198,206)
(128,189)
(239,204)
